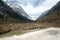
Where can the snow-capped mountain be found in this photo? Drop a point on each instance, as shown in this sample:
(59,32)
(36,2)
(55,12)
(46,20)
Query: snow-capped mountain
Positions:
(15,11)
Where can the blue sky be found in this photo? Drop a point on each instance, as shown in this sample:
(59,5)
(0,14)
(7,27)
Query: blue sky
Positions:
(34,8)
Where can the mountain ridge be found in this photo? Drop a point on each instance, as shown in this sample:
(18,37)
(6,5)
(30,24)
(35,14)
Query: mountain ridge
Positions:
(52,16)
(6,10)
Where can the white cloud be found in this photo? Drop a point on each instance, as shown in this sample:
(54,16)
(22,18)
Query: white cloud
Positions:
(31,10)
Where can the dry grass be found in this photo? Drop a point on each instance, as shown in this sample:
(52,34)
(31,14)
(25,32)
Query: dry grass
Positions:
(21,28)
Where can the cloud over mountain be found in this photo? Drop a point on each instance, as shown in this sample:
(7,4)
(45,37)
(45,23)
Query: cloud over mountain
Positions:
(34,7)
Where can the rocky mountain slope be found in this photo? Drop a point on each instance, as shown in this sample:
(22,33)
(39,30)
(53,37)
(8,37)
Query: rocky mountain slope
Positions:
(12,14)
(8,16)
(52,16)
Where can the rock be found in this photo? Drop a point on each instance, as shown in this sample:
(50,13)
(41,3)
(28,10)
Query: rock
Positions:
(4,30)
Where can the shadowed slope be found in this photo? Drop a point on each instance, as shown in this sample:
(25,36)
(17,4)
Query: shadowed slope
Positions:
(6,10)
(52,15)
